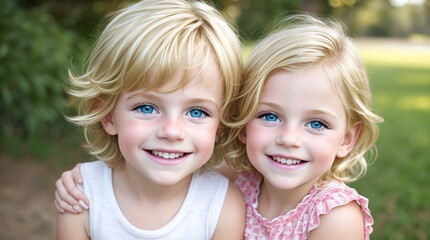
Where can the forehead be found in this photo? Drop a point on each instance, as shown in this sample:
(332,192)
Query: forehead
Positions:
(312,79)
(205,75)
(307,89)
(206,88)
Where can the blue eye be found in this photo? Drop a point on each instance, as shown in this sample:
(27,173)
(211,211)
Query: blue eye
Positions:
(197,113)
(317,124)
(145,109)
(270,117)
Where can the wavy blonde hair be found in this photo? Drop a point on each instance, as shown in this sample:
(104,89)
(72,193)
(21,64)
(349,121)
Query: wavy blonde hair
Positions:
(156,38)
(306,41)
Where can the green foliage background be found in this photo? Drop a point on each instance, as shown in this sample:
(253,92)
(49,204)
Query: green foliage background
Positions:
(34,52)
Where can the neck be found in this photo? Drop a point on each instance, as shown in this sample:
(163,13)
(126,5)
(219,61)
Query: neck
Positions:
(145,204)
(134,184)
(274,202)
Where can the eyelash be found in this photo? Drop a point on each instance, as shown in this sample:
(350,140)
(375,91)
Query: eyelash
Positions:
(264,114)
(203,110)
(324,124)
(136,108)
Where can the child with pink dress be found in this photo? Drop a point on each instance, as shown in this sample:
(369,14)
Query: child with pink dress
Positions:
(301,129)
(304,123)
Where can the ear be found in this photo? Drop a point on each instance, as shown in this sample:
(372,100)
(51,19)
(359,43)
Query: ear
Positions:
(349,141)
(109,125)
(242,136)
(219,133)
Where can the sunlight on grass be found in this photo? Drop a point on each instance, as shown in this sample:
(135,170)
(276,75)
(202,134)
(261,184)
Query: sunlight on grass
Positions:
(423,140)
(404,103)
(417,79)
(383,101)
(415,103)
(395,53)
(397,58)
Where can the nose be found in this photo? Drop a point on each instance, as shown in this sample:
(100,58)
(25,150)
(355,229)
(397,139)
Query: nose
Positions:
(172,129)
(290,137)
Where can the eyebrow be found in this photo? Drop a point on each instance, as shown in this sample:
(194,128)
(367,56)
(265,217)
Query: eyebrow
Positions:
(204,100)
(143,94)
(322,112)
(156,97)
(312,111)
(269,104)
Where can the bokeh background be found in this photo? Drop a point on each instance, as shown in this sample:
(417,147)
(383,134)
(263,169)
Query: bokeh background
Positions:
(41,40)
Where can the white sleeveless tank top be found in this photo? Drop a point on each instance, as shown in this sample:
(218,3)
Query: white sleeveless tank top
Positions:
(196,219)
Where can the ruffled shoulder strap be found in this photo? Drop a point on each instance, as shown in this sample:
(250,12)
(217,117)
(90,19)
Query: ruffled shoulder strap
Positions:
(334,194)
(249,184)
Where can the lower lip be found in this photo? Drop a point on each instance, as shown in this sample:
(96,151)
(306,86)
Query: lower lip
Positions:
(285,166)
(166,162)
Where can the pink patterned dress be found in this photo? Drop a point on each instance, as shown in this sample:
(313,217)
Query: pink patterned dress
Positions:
(297,223)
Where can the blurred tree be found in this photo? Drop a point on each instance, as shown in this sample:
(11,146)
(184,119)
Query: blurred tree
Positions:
(381,18)
(34,53)
(316,6)
(257,17)
(254,18)
(80,16)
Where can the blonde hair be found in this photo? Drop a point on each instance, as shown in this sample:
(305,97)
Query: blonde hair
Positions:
(304,42)
(156,38)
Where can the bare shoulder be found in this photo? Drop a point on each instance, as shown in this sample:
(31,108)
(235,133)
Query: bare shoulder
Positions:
(343,222)
(231,223)
(72,226)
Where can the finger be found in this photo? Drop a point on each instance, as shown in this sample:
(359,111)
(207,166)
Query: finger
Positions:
(63,197)
(72,190)
(59,209)
(64,194)
(77,176)
(63,205)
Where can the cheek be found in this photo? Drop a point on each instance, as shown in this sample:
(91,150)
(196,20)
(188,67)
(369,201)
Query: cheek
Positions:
(130,136)
(204,140)
(325,150)
(256,138)
(252,153)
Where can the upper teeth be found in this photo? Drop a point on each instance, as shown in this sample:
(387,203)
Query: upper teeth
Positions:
(167,155)
(286,161)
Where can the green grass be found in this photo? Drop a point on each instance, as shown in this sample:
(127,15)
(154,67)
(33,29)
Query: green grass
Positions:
(397,182)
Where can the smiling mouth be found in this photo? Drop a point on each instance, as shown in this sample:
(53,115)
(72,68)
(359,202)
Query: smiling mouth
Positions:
(287,161)
(167,155)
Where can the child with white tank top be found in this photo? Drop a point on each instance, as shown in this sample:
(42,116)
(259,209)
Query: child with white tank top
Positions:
(151,102)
